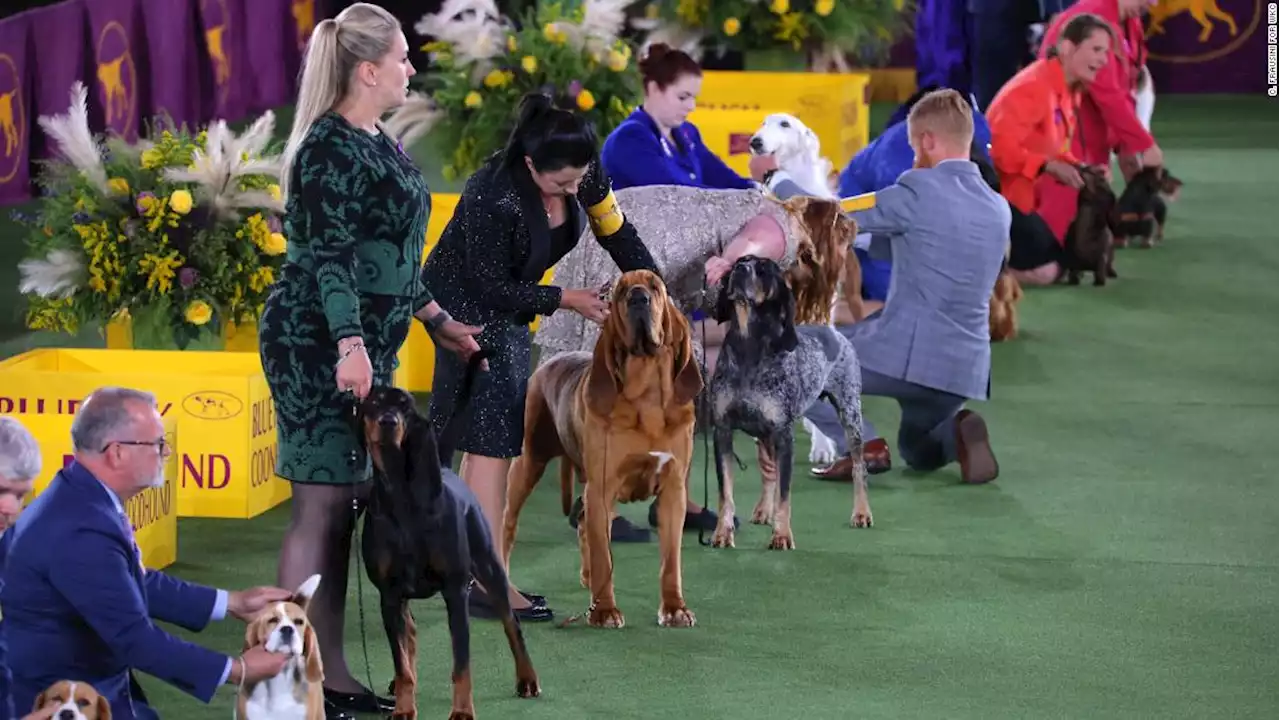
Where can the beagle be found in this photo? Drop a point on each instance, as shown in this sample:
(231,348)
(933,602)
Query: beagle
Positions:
(297,692)
(70,700)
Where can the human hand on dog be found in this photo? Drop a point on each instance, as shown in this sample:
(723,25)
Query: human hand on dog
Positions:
(717,267)
(256,664)
(43,713)
(459,338)
(759,165)
(587,303)
(1066,173)
(245,604)
(355,372)
(1151,157)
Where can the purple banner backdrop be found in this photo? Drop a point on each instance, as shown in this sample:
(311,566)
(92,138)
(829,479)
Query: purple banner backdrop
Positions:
(195,60)
(222,22)
(15,111)
(177,82)
(1208,46)
(119,50)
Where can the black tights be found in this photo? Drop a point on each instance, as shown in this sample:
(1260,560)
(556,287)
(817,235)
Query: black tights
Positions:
(319,541)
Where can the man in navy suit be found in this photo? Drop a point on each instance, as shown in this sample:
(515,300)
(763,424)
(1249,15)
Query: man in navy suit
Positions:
(19,466)
(78,603)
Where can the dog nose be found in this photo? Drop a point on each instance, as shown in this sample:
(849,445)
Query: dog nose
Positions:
(286,632)
(67,715)
(757,144)
(389,420)
(637,297)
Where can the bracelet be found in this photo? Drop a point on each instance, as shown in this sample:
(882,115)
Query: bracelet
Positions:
(437,321)
(349,352)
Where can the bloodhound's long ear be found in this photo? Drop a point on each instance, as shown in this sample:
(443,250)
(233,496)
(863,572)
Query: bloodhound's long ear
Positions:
(307,590)
(603,384)
(104,708)
(688,380)
(313,668)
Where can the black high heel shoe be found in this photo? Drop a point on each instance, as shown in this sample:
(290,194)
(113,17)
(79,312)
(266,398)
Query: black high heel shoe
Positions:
(480,607)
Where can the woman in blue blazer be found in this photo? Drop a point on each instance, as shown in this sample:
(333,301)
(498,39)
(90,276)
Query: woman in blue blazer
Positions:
(657,145)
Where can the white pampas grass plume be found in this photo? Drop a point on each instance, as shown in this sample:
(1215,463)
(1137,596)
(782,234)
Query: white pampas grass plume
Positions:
(474,30)
(74,138)
(672,34)
(226,159)
(58,275)
(413,119)
(602,22)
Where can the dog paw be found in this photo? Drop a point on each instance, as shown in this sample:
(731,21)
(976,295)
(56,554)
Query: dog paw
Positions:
(782,541)
(723,537)
(822,450)
(606,617)
(861,518)
(676,617)
(412,714)
(762,515)
(457,715)
(528,687)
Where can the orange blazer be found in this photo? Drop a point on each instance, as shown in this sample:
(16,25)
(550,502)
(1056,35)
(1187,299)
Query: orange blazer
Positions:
(1033,120)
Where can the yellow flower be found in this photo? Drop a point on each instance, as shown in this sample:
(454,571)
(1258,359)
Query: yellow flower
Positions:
(552,32)
(732,26)
(824,7)
(435,46)
(275,244)
(791,29)
(616,61)
(779,7)
(180,201)
(529,63)
(198,312)
(151,158)
(118,186)
(495,79)
(586,100)
(160,270)
(691,12)
(473,100)
(274,191)
(261,279)
(511,43)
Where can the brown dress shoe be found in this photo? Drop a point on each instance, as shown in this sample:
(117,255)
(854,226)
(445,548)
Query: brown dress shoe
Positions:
(874,453)
(973,446)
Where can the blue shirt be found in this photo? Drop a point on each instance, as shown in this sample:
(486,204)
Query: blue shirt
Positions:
(636,154)
(878,165)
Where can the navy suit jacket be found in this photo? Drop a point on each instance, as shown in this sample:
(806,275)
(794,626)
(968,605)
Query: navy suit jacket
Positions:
(78,604)
(636,154)
(6,677)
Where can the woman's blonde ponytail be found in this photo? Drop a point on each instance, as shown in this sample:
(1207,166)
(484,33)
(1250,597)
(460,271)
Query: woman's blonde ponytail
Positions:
(318,91)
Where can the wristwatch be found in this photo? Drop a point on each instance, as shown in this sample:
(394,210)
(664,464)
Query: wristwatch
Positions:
(437,321)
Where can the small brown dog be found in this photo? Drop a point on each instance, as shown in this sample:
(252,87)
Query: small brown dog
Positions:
(298,690)
(70,700)
(1003,318)
(623,416)
(1141,209)
(1089,245)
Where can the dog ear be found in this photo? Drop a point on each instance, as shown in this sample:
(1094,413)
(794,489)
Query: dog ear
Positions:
(104,708)
(724,306)
(313,668)
(602,379)
(809,141)
(687,382)
(782,304)
(307,590)
(41,699)
(251,633)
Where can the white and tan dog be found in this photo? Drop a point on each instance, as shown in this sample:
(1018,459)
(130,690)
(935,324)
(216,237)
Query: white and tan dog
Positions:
(70,700)
(297,693)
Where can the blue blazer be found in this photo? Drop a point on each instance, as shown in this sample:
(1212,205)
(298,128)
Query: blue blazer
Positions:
(635,154)
(6,676)
(78,604)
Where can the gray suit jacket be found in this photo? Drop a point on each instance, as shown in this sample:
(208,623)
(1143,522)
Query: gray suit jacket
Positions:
(948,231)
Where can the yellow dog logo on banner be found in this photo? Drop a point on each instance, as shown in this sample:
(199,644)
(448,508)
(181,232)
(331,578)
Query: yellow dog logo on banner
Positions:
(1210,16)
(304,19)
(214,35)
(117,77)
(13,118)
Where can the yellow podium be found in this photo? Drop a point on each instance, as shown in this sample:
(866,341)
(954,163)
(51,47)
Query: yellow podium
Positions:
(153,513)
(226,449)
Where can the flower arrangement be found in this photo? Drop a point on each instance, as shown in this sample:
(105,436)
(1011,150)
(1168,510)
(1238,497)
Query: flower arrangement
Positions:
(180,234)
(824,30)
(484,66)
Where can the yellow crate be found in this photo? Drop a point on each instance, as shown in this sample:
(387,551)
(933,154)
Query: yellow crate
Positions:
(153,512)
(239,338)
(418,356)
(226,449)
(836,106)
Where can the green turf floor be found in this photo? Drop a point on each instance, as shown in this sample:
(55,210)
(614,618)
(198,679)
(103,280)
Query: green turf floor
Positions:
(1122,565)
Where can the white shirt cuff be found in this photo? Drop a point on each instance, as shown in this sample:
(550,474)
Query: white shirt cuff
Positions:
(778,176)
(219,606)
(226,673)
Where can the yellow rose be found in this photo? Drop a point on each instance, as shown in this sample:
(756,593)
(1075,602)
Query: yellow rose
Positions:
(495,79)
(529,63)
(199,312)
(732,26)
(473,100)
(779,7)
(180,201)
(275,244)
(586,100)
(118,186)
(616,61)
(274,191)
(824,7)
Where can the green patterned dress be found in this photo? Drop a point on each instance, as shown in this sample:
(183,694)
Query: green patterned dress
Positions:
(356,220)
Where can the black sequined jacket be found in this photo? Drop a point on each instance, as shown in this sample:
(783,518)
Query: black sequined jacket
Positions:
(496,248)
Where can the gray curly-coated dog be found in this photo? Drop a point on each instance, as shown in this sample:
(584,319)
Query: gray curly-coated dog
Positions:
(768,373)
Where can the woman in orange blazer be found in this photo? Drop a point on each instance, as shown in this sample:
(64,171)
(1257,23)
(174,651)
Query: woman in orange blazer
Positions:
(1033,122)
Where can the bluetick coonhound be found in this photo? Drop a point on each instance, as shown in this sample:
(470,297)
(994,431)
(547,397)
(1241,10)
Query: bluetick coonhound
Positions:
(768,373)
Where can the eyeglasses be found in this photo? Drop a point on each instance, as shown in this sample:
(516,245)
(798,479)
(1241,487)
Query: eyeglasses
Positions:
(161,445)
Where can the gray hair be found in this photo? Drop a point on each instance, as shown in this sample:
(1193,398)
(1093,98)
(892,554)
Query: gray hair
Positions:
(104,413)
(19,452)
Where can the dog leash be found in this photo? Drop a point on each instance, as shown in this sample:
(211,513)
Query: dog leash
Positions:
(707,428)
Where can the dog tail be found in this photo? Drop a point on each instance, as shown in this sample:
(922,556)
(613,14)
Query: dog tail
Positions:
(454,426)
(566,486)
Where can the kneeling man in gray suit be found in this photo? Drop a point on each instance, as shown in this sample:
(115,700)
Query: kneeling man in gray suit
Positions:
(929,347)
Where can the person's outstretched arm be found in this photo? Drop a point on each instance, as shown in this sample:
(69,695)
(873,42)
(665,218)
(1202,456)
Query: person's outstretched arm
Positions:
(613,231)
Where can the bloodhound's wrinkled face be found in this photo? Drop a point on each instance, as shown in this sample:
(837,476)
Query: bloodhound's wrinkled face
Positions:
(755,297)
(283,627)
(639,307)
(384,420)
(72,700)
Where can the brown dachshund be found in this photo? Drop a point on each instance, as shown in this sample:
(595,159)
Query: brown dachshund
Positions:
(623,417)
(1090,246)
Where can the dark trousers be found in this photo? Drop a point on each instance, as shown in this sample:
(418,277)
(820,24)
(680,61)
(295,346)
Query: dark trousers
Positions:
(1031,242)
(997,48)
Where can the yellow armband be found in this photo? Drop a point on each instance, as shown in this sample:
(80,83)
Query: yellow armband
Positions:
(865,201)
(605,216)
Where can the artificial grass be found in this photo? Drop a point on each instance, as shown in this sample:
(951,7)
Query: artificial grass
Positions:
(1122,565)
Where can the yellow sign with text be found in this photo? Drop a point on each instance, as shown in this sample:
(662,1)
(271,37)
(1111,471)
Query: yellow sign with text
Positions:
(153,513)
(226,449)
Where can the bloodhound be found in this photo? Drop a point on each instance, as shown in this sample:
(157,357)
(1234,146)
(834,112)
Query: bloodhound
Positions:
(623,417)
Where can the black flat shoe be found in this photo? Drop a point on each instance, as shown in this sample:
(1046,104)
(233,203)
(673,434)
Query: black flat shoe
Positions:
(365,702)
(479,607)
(333,712)
(704,520)
(621,530)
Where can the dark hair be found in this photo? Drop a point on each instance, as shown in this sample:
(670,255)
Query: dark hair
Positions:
(664,65)
(1079,28)
(553,138)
